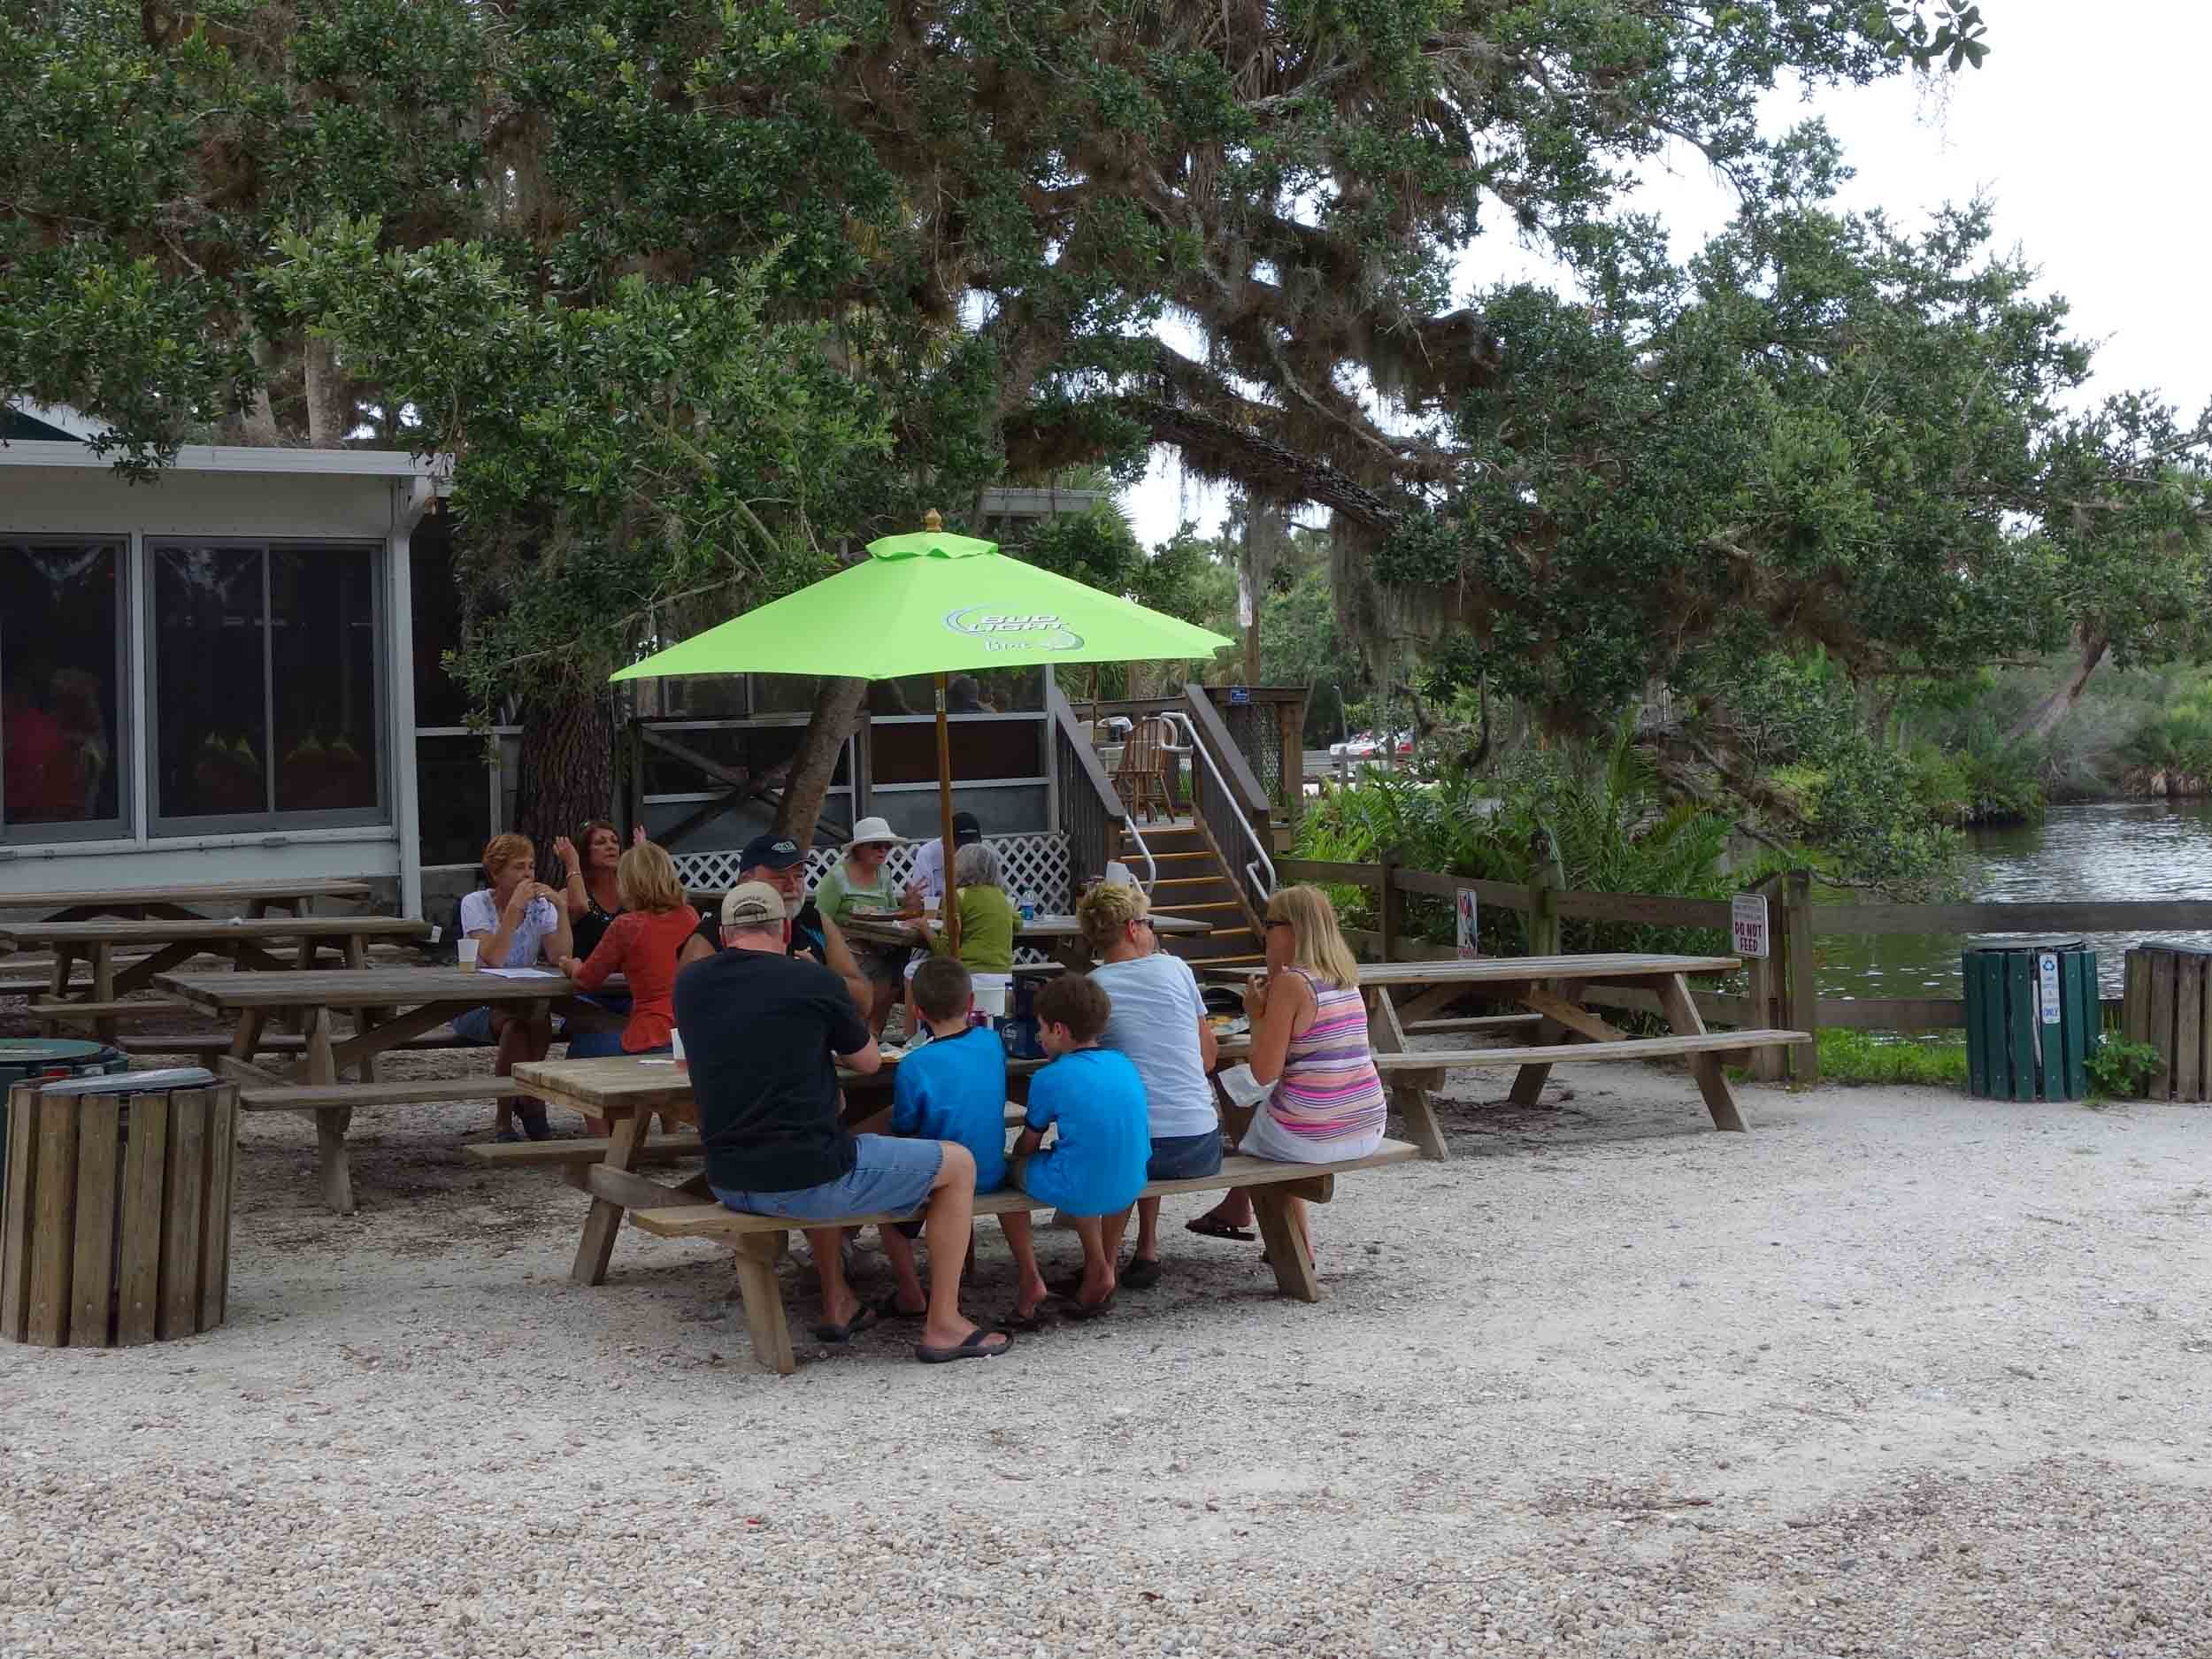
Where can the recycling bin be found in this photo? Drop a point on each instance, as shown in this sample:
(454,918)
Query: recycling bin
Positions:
(2031,1018)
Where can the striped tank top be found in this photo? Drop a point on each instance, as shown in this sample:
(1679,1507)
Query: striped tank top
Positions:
(1329,1088)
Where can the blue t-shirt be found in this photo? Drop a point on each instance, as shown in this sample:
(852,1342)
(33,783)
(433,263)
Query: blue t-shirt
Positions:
(955,1089)
(1096,1164)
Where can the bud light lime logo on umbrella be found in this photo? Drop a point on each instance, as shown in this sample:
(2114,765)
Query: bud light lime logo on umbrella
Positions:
(1012,631)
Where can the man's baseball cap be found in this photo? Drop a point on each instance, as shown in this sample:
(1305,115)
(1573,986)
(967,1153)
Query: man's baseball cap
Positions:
(753,906)
(770,851)
(965,831)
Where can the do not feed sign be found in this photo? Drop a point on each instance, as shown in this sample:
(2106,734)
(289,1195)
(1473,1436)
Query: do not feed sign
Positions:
(1469,946)
(1747,922)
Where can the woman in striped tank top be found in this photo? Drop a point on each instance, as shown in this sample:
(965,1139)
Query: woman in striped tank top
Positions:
(1308,1040)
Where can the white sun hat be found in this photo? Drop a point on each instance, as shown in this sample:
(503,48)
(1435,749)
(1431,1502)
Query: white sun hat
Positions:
(874,830)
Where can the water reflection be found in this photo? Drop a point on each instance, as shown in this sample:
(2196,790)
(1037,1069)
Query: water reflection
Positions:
(2147,849)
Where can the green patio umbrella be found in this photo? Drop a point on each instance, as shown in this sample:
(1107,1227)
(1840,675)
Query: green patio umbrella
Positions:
(933,603)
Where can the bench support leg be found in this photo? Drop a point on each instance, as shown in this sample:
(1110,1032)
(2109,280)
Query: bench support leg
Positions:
(1286,1245)
(1712,1081)
(763,1296)
(332,1165)
(595,1248)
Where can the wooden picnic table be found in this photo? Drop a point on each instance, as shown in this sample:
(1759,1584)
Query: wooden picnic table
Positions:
(1060,937)
(176,902)
(389,1006)
(628,1090)
(173,941)
(1549,991)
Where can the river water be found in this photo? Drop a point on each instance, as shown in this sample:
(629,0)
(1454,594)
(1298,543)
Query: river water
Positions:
(2134,850)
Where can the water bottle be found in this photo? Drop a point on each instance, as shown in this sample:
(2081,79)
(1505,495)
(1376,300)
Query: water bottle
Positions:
(1029,905)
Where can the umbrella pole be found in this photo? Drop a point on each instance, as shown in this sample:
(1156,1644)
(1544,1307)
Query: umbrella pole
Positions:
(950,915)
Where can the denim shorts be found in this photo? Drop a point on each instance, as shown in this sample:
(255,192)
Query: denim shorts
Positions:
(475,1026)
(890,1176)
(1184,1157)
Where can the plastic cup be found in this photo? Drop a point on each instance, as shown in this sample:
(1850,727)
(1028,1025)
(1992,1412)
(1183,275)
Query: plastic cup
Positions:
(676,1046)
(466,952)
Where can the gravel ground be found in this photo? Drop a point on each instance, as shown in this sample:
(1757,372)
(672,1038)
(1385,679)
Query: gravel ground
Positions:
(1898,1374)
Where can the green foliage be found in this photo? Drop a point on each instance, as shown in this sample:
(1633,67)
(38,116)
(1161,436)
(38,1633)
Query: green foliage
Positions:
(1599,807)
(2119,1067)
(1860,1056)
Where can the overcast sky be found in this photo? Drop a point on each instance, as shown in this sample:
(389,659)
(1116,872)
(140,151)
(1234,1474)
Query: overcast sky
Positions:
(2085,126)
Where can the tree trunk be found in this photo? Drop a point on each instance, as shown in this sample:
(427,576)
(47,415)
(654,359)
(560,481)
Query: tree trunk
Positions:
(567,776)
(837,706)
(330,412)
(2048,715)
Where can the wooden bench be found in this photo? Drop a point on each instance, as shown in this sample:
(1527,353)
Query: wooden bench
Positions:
(268,1042)
(53,1013)
(320,1097)
(577,1153)
(758,1241)
(1409,1066)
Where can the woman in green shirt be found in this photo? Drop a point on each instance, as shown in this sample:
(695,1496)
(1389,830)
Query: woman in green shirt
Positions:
(986,927)
(860,882)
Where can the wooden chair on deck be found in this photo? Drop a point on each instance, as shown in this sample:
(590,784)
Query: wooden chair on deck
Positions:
(1142,774)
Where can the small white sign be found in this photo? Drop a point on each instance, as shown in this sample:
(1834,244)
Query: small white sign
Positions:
(1470,939)
(1748,921)
(2046,972)
(1117,876)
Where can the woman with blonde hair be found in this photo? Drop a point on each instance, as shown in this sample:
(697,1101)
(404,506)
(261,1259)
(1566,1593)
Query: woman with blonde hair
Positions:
(1309,1041)
(1159,1022)
(640,943)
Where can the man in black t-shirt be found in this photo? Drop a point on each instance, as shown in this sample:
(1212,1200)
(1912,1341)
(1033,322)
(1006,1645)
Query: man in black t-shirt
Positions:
(763,1031)
(780,861)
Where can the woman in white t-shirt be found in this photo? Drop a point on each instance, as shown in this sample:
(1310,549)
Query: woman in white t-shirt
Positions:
(1159,1021)
(516,922)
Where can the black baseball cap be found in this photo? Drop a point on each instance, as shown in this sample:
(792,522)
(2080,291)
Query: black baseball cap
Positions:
(770,851)
(965,831)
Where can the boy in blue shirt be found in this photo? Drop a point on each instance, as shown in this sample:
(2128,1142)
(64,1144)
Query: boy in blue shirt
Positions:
(954,1089)
(1095,1167)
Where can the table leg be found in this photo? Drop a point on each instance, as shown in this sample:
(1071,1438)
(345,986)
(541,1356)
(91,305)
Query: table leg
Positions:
(57,989)
(762,1292)
(1528,1082)
(103,987)
(1712,1080)
(245,1037)
(1385,1034)
(595,1248)
(1285,1246)
(332,1164)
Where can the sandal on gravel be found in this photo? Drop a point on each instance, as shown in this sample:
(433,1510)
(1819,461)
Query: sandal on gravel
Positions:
(1206,1226)
(970,1349)
(1142,1273)
(866,1319)
(1036,1320)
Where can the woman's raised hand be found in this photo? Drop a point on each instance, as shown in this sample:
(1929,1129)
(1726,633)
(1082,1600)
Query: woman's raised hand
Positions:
(564,850)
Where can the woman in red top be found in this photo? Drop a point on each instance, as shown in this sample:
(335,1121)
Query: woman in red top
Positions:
(641,944)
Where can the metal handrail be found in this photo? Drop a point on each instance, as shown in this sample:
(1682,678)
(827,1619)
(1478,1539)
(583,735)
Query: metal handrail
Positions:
(1253,866)
(1151,868)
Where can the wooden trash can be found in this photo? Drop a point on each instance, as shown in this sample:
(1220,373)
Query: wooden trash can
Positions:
(2166,1002)
(115,1221)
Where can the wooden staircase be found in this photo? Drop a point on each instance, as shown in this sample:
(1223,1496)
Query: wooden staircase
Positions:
(1193,883)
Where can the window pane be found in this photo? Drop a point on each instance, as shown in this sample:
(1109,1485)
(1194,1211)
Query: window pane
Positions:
(322,638)
(439,698)
(59,665)
(209,667)
(453,788)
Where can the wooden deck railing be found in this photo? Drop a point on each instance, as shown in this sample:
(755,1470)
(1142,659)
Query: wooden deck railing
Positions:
(1780,992)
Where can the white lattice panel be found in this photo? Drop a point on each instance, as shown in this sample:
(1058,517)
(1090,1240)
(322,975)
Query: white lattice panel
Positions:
(1034,864)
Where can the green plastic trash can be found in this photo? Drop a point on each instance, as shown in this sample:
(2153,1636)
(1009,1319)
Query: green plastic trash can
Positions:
(22,1058)
(2031,1018)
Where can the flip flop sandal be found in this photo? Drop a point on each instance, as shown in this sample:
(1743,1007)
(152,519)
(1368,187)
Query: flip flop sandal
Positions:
(972,1349)
(1141,1274)
(1207,1227)
(886,1309)
(866,1319)
(1036,1320)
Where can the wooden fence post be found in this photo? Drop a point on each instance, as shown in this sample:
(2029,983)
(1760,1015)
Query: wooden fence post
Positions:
(1548,879)
(1769,1065)
(1291,718)
(1391,912)
(1801,1004)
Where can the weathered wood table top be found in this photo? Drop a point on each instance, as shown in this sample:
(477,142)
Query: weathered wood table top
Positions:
(173,901)
(364,988)
(211,930)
